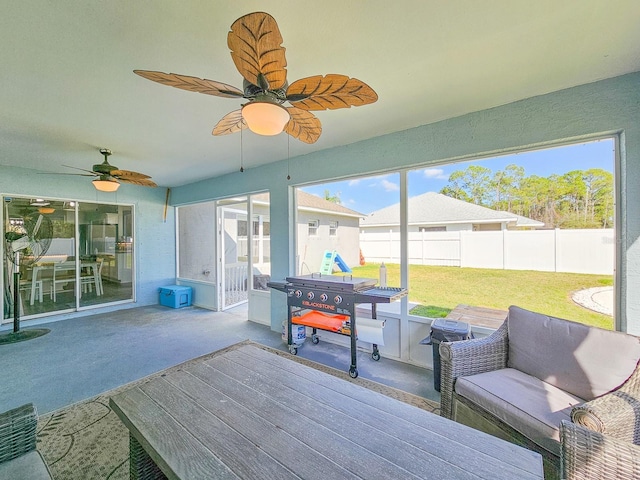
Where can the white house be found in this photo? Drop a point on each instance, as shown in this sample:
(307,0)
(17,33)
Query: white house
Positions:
(434,212)
(323,225)
(448,232)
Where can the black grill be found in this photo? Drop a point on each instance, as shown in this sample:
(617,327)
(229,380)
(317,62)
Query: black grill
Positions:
(336,295)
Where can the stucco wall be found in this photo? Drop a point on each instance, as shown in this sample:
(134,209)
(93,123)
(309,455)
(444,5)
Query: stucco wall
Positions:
(311,248)
(603,108)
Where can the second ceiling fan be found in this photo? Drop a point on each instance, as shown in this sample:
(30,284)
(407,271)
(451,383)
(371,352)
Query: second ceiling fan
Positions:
(255,44)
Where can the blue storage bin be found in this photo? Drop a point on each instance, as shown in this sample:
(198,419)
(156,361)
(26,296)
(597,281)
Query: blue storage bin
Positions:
(175,296)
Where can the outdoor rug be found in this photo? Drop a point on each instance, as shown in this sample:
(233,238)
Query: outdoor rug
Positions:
(87,441)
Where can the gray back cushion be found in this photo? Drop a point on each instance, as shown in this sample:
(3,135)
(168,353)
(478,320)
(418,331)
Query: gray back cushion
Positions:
(582,360)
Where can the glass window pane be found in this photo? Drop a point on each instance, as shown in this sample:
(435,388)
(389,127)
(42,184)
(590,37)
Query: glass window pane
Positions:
(57,272)
(334,217)
(43,246)
(261,242)
(529,229)
(106,253)
(233,214)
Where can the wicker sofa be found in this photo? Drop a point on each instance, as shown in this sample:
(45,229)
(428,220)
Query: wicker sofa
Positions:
(537,371)
(19,458)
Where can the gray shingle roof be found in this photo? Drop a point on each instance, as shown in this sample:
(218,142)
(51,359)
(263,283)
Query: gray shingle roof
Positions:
(313,202)
(435,208)
(309,201)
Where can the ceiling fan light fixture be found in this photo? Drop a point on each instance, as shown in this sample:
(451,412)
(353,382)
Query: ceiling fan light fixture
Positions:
(46,210)
(265,118)
(106,185)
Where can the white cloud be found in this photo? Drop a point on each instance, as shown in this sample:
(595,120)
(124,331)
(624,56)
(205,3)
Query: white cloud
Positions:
(353,183)
(436,173)
(374,180)
(390,186)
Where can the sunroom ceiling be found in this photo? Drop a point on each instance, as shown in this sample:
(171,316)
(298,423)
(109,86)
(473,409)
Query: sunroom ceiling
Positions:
(67,85)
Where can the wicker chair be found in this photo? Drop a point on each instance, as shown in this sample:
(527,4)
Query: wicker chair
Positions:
(613,410)
(603,441)
(18,455)
(586,454)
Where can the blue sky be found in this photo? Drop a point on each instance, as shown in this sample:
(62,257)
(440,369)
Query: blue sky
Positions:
(368,194)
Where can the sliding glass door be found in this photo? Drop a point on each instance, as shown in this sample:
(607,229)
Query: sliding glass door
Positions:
(106,253)
(69,255)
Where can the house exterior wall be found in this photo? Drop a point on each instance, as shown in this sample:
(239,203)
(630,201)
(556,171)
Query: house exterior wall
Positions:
(488,227)
(311,248)
(459,227)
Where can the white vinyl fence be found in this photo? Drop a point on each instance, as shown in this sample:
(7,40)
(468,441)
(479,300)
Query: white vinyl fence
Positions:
(574,251)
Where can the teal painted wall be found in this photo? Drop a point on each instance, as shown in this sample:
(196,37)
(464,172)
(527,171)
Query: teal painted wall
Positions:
(155,239)
(603,108)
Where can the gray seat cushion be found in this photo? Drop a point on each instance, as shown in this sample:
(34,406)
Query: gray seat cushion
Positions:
(28,466)
(525,403)
(582,360)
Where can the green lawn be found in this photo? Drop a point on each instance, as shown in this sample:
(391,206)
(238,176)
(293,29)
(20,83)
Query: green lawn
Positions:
(439,289)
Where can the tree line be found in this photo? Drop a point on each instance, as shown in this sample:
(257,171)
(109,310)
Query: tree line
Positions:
(576,199)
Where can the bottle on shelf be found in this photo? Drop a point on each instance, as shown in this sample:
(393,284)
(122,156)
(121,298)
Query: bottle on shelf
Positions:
(383,275)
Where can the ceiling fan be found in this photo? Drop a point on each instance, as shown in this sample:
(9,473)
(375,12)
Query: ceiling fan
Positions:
(255,44)
(109,176)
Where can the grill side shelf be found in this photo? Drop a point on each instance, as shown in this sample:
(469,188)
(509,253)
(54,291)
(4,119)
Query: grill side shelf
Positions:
(380,295)
(279,285)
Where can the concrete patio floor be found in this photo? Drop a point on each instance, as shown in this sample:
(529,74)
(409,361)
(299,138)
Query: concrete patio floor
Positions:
(84,356)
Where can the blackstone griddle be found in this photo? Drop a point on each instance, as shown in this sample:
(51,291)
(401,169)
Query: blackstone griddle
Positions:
(338,296)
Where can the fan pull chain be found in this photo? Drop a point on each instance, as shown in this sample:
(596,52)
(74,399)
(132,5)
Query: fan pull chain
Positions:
(288,156)
(241,153)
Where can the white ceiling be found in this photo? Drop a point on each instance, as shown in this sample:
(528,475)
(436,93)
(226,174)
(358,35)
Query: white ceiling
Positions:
(67,85)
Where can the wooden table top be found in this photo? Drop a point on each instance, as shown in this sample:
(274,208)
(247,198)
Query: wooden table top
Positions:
(249,413)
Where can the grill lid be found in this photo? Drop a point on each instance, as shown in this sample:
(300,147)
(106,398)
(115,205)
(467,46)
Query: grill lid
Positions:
(345,283)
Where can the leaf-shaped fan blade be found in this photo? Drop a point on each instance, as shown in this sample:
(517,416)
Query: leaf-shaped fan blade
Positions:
(193,84)
(330,92)
(76,168)
(231,123)
(125,174)
(74,174)
(254,41)
(303,125)
(136,178)
(144,182)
